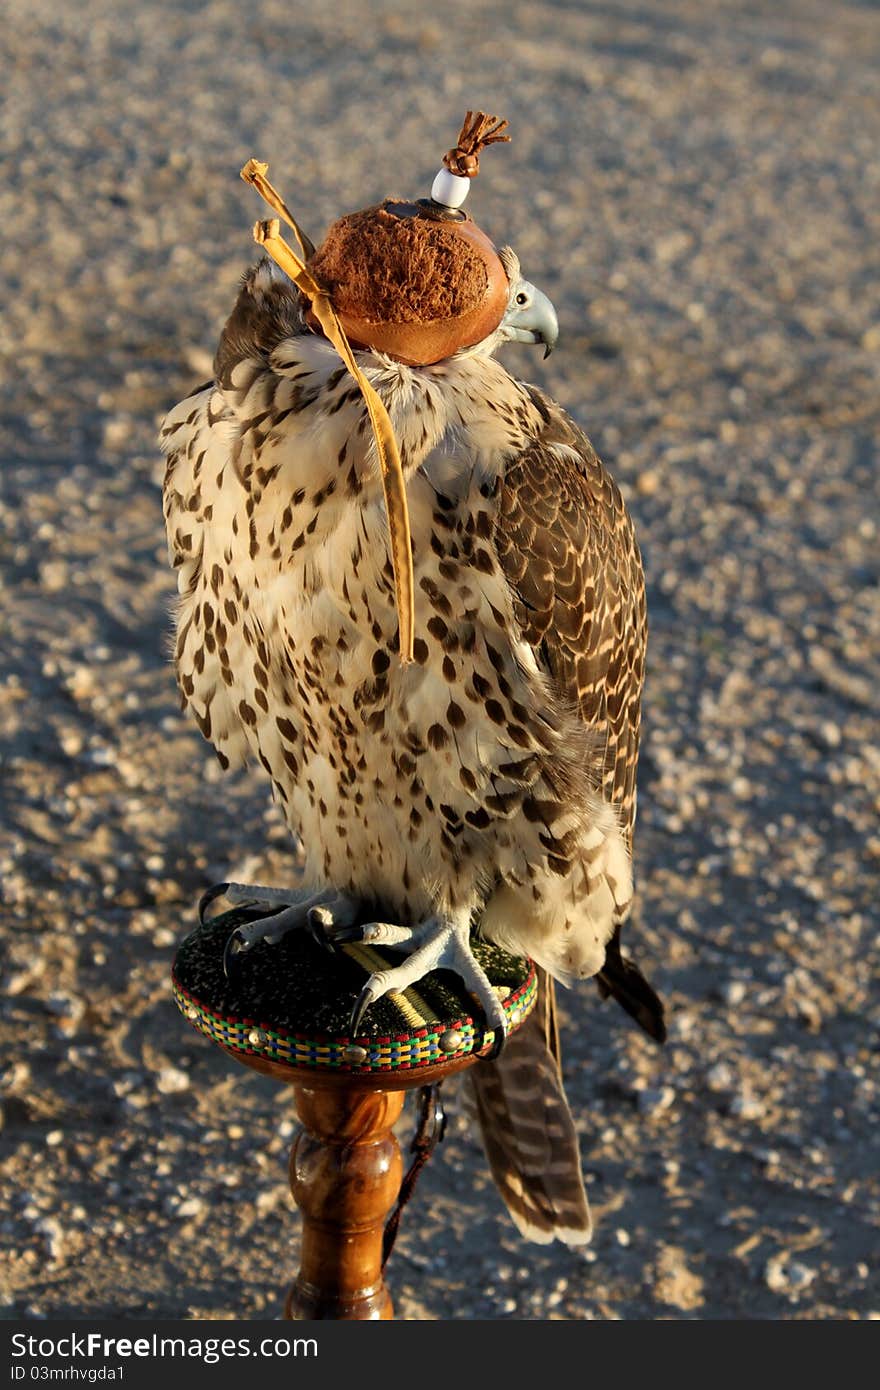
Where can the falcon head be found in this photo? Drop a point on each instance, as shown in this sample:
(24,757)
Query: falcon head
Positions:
(530,316)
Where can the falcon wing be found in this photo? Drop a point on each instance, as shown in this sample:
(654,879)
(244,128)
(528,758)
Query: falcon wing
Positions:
(568,550)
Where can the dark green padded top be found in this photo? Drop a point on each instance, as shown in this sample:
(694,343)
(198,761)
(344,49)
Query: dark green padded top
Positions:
(291,1002)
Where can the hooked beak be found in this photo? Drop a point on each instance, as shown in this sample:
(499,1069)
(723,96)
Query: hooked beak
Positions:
(530,318)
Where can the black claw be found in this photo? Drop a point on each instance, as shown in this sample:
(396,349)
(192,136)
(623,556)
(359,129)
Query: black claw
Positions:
(209,897)
(236,946)
(318,932)
(497,1046)
(361,1004)
(344,936)
(547,351)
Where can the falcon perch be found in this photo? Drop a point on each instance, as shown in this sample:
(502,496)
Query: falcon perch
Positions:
(492,780)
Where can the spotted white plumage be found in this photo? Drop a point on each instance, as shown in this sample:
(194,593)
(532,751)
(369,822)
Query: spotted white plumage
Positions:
(494,777)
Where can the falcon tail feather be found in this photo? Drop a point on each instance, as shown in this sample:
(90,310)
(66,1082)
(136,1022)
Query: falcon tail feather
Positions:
(528,1132)
(623,980)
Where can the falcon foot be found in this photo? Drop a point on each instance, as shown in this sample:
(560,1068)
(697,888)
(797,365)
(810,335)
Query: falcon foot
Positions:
(279,911)
(438,943)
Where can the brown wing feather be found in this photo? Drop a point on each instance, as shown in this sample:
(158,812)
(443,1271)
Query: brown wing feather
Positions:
(568,549)
(567,546)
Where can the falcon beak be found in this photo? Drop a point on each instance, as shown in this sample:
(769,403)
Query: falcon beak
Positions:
(530,318)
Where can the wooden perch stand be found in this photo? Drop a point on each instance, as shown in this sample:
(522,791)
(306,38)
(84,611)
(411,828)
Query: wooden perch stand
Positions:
(285,1016)
(345,1174)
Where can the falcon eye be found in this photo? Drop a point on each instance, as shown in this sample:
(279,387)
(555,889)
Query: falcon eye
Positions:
(522,297)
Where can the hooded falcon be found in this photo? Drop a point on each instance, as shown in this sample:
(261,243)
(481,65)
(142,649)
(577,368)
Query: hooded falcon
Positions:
(487,783)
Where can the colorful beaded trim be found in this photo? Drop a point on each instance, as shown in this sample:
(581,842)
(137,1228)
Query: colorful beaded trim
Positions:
(402,1051)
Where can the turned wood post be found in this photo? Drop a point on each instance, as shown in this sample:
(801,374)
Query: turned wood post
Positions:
(345,1173)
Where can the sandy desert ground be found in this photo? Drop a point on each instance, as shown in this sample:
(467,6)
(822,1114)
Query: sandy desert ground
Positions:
(696,186)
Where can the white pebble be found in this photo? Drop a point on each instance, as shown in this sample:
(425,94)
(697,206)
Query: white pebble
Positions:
(172,1080)
(191,1207)
(734,991)
(653,1100)
(720,1077)
(746,1107)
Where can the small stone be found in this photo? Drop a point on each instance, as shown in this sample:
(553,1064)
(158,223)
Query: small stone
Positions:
(720,1077)
(193,1206)
(871,339)
(653,1100)
(785,1276)
(54,1138)
(746,1107)
(71,743)
(648,483)
(671,247)
(117,432)
(675,1283)
(171,1080)
(621,1236)
(734,991)
(51,1230)
(54,576)
(800,1276)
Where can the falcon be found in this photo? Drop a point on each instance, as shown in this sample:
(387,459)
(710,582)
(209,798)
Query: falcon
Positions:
(487,784)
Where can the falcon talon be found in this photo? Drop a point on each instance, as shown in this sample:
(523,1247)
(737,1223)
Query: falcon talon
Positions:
(366,997)
(319,919)
(208,897)
(236,946)
(496,1047)
(338,936)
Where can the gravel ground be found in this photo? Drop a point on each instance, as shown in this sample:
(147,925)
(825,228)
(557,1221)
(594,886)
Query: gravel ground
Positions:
(696,187)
